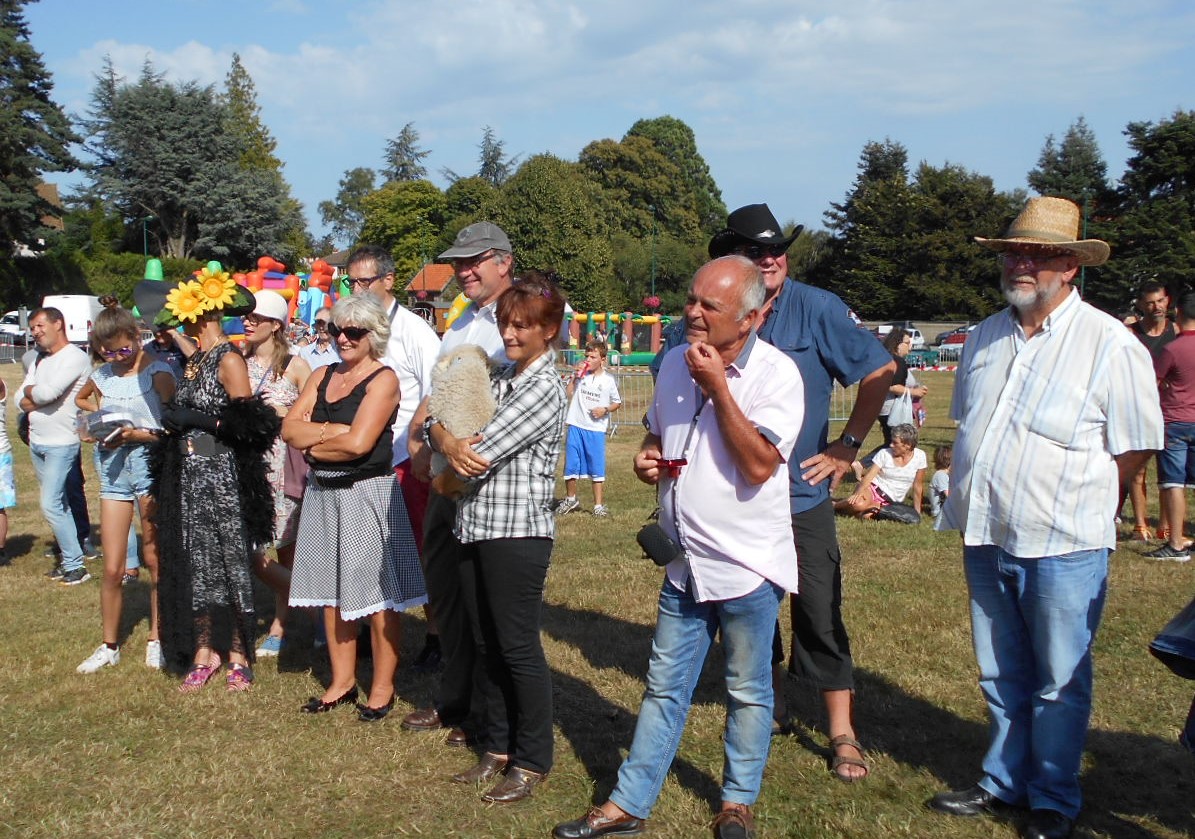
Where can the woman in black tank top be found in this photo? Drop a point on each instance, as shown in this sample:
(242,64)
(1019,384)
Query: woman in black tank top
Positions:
(355,555)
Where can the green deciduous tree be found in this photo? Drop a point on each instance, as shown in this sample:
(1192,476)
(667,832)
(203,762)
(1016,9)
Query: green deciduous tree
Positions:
(549,210)
(405,217)
(35,134)
(404,156)
(675,139)
(345,214)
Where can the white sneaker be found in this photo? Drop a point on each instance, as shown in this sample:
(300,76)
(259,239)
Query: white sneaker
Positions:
(102,657)
(567,505)
(153,655)
(601,511)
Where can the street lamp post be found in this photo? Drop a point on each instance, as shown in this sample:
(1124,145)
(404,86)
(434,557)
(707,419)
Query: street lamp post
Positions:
(145,234)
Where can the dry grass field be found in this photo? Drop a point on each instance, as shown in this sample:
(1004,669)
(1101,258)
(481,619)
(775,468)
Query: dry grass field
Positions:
(123,754)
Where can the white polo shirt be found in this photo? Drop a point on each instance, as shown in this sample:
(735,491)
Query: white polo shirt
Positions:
(734,534)
(477,326)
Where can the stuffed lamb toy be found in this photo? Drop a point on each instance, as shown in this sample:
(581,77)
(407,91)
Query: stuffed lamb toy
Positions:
(461,398)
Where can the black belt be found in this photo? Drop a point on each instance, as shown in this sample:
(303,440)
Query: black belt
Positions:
(203,444)
(347,479)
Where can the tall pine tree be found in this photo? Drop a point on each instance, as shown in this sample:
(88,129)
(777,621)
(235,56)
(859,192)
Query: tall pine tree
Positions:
(35,134)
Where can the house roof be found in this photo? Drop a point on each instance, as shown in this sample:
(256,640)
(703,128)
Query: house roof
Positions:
(431,278)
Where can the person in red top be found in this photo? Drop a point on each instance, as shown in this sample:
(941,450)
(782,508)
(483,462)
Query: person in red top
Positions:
(1175,369)
(1154,328)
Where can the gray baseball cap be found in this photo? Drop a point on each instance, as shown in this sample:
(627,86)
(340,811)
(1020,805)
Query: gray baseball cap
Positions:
(477,238)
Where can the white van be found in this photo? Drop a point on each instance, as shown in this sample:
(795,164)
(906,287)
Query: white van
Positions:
(79,312)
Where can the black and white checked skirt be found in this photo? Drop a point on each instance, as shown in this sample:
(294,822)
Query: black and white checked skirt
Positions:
(355,550)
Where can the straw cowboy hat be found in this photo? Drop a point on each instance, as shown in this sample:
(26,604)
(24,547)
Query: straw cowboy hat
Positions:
(1053,222)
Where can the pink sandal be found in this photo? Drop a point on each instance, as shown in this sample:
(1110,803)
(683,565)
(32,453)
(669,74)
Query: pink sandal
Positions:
(200,674)
(239,678)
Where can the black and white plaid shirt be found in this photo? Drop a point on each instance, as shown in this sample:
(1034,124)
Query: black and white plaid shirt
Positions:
(513,498)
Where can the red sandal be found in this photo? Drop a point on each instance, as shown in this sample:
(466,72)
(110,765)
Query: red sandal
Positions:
(200,674)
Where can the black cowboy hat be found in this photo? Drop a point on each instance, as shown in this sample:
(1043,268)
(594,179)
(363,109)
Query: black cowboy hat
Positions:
(752,224)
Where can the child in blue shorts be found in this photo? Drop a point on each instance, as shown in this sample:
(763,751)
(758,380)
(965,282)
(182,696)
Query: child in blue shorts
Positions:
(593,395)
(132,386)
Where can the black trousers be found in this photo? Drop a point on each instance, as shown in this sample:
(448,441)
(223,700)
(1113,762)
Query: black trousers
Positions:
(821,649)
(509,577)
(451,589)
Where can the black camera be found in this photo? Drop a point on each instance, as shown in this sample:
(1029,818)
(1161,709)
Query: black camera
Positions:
(658,545)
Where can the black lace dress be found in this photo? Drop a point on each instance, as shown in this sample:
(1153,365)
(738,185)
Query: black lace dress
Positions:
(213,505)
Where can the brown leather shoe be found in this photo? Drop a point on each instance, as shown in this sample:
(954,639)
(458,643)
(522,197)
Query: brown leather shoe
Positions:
(736,823)
(458,737)
(489,767)
(594,823)
(516,786)
(425,719)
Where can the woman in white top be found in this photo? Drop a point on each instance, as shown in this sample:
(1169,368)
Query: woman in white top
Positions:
(895,469)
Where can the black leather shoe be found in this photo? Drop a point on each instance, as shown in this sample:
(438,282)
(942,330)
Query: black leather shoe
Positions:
(1048,824)
(516,786)
(315,706)
(425,719)
(459,738)
(975,801)
(595,823)
(489,767)
(367,714)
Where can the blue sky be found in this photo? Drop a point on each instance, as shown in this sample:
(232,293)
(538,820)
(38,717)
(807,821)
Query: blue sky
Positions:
(781,95)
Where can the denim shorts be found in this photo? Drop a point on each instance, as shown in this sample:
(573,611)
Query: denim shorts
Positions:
(8,487)
(1176,462)
(124,472)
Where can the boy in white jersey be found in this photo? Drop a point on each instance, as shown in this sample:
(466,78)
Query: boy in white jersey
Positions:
(593,395)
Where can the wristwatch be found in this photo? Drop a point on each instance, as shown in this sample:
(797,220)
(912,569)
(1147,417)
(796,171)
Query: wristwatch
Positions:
(850,442)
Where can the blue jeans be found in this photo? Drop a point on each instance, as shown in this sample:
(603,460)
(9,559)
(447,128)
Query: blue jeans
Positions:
(1033,623)
(684,631)
(53,464)
(1176,462)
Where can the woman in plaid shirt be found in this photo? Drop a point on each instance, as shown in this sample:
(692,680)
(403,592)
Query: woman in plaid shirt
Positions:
(505,476)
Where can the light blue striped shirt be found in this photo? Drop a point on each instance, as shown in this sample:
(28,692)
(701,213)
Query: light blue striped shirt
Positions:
(1040,423)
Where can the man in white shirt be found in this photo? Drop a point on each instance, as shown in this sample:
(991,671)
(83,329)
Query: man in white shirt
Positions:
(48,397)
(1057,409)
(722,424)
(483,262)
(410,353)
(322,351)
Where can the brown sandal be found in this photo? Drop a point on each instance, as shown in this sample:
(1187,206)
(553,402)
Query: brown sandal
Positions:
(837,760)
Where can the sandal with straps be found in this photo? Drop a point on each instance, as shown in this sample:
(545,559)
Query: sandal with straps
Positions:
(200,674)
(239,678)
(1141,534)
(837,760)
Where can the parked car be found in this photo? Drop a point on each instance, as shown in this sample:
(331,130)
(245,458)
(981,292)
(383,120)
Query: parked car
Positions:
(918,339)
(955,336)
(10,329)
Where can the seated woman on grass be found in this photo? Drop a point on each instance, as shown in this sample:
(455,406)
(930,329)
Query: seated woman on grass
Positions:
(895,469)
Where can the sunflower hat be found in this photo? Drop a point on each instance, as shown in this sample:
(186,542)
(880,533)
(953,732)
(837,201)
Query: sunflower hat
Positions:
(211,289)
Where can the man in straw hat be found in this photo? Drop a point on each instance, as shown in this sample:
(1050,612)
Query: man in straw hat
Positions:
(1057,409)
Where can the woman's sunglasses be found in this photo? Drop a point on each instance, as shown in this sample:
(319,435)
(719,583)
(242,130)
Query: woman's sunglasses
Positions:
(353,333)
(123,352)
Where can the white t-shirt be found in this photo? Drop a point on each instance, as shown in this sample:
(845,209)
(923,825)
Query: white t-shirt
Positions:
(56,379)
(411,354)
(594,390)
(896,481)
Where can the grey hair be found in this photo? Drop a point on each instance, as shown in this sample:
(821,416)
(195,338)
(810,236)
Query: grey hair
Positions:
(382,261)
(906,433)
(367,312)
(754,292)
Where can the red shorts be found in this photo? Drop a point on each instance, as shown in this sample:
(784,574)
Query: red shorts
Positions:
(414,495)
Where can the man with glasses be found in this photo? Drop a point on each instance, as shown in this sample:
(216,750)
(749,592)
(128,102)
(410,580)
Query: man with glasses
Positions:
(322,351)
(817,331)
(48,397)
(411,354)
(484,266)
(1057,409)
